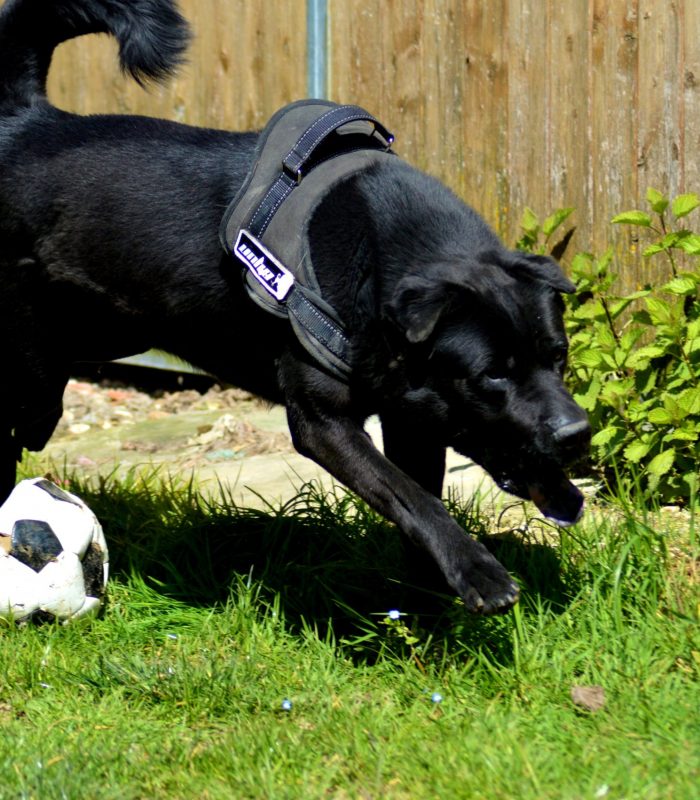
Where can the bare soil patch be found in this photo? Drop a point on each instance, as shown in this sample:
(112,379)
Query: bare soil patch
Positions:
(108,420)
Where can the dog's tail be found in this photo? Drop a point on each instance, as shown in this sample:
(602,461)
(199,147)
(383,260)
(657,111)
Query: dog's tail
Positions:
(152,38)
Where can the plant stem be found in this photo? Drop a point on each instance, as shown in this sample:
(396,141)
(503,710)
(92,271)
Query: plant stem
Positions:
(668,250)
(611,325)
(686,361)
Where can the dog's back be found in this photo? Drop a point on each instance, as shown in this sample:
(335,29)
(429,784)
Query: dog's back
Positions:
(108,224)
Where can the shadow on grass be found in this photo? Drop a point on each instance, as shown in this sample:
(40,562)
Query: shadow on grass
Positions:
(332,560)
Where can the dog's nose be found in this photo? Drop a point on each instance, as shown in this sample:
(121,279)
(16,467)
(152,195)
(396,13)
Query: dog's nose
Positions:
(571,430)
(571,436)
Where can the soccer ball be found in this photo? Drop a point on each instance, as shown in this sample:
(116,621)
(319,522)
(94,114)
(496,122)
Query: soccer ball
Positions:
(53,555)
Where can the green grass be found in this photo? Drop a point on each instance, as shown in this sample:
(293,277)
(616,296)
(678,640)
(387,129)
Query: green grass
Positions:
(217,614)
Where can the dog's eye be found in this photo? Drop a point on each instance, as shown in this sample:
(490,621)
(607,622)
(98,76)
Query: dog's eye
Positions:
(494,386)
(559,356)
(497,377)
(500,372)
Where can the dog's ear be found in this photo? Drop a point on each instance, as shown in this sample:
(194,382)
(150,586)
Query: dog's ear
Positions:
(541,268)
(418,304)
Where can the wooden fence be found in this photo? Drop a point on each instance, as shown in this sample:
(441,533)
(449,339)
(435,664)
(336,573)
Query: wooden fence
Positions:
(545,103)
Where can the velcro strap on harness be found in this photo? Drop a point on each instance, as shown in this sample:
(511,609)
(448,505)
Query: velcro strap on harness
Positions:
(278,272)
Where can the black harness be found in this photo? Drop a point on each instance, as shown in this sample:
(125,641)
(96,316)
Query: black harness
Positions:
(304,150)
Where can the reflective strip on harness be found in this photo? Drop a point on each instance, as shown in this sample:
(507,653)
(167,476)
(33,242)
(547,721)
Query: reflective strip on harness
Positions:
(270,272)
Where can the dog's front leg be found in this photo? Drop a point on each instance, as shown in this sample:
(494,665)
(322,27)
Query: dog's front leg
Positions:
(340,445)
(415,453)
(9,454)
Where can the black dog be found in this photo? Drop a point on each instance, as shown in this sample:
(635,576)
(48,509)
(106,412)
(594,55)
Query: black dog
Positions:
(108,247)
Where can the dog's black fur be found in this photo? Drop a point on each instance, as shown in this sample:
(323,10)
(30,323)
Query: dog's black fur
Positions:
(108,247)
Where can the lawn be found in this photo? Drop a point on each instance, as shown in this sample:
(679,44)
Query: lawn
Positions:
(250,654)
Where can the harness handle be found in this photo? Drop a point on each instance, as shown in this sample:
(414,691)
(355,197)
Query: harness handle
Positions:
(301,155)
(302,152)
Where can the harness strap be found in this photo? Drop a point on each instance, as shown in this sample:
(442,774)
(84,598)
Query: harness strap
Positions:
(301,154)
(308,314)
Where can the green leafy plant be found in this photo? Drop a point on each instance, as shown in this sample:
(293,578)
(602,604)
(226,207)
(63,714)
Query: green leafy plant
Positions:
(635,357)
(537,236)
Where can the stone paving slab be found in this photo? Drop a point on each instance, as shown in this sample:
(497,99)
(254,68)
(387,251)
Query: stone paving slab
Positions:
(252,480)
(277,477)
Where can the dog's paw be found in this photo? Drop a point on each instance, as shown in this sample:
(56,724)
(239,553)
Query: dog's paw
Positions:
(485,585)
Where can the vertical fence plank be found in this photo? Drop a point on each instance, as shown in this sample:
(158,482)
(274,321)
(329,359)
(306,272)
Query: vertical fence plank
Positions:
(481,80)
(690,86)
(359,65)
(659,99)
(528,112)
(659,111)
(568,102)
(439,44)
(406,89)
(613,119)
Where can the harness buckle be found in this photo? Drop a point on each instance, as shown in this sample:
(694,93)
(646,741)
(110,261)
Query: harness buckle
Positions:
(291,170)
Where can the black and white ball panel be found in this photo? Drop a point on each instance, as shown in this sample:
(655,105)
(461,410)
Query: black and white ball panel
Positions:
(53,555)
(34,543)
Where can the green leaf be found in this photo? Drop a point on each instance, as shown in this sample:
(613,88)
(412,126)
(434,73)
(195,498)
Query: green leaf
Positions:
(640,218)
(657,201)
(613,365)
(661,464)
(605,261)
(621,304)
(679,378)
(660,416)
(529,223)
(669,241)
(582,266)
(684,204)
(693,329)
(586,358)
(588,399)
(690,243)
(636,411)
(691,478)
(605,436)
(640,358)
(555,220)
(642,318)
(691,345)
(606,339)
(679,435)
(635,451)
(681,284)
(659,310)
(689,400)
(645,379)
(630,336)
(593,309)
(653,249)
(671,405)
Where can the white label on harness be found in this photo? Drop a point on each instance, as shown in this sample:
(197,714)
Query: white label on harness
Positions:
(273,275)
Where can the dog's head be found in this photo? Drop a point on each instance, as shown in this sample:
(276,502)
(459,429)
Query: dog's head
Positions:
(484,350)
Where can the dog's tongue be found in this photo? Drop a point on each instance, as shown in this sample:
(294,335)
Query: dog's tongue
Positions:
(557,499)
